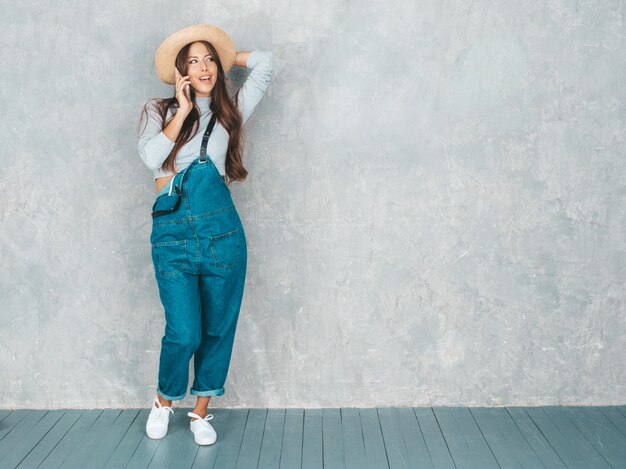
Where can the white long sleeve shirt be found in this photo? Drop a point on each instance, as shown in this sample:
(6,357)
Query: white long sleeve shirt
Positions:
(154,146)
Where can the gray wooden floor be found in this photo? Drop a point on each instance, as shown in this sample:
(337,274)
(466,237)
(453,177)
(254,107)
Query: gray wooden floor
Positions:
(438,437)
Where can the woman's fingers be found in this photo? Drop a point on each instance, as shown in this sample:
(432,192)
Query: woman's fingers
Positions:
(182,88)
(182,82)
(180,78)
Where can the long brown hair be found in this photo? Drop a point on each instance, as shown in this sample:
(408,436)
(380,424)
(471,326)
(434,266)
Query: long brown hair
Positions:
(225,109)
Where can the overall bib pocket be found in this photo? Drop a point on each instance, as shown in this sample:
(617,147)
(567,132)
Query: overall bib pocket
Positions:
(170,202)
(225,249)
(166,204)
(170,257)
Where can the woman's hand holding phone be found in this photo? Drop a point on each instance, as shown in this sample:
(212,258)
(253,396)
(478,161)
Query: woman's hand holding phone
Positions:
(182,92)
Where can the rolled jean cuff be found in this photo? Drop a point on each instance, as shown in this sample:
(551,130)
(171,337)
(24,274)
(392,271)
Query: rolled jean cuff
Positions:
(170,398)
(214,392)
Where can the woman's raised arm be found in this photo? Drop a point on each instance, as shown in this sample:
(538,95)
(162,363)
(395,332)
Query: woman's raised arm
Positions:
(253,89)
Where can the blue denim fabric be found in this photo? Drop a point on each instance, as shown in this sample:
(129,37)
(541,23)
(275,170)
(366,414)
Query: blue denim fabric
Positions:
(199,254)
(166,188)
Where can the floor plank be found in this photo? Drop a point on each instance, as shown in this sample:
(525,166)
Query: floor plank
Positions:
(375,450)
(71,440)
(252,439)
(129,442)
(558,415)
(178,449)
(413,438)
(20,425)
(535,439)
(4,413)
(145,450)
(51,439)
(291,450)
(467,444)
(207,454)
(353,441)
(567,445)
(230,442)
(332,437)
(438,450)
(272,439)
(10,421)
(617,418)
(79,456)
(600,432)
(105,447)
(312,455)
(397,452)
(30,438)
(504,438)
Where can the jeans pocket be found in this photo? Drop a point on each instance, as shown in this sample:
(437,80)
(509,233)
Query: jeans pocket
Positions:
(169,257)
(225,249)
(166,204)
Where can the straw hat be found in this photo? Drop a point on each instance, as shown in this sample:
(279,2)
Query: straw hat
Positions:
(165,57)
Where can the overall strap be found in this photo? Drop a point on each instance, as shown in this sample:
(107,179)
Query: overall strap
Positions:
(205,138)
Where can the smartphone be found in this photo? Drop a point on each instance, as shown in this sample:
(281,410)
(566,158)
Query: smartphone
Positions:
(186,86)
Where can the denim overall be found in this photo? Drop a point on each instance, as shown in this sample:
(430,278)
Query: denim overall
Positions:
(199,254)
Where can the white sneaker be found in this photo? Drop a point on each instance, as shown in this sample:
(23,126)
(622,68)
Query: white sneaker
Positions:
(203,431)
(158,420)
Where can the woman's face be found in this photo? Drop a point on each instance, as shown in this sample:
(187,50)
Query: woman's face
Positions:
(200,64)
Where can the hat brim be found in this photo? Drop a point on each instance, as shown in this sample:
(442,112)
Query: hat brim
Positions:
(165,57)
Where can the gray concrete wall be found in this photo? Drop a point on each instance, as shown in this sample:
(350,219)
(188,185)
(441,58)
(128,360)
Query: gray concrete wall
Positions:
(435,210)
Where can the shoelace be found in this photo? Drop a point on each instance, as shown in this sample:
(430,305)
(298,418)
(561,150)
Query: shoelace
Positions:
(163,411)
(203,420)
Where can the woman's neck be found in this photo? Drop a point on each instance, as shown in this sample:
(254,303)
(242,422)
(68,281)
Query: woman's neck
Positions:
(204,103)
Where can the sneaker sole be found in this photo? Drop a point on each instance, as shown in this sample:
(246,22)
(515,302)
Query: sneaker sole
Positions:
(201,443)
(205,444)
(155,436)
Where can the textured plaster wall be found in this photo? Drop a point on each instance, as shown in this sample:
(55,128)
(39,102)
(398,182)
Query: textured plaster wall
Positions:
(435,211)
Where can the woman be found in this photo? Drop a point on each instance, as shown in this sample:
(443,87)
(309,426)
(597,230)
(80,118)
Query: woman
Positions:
(198,243)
